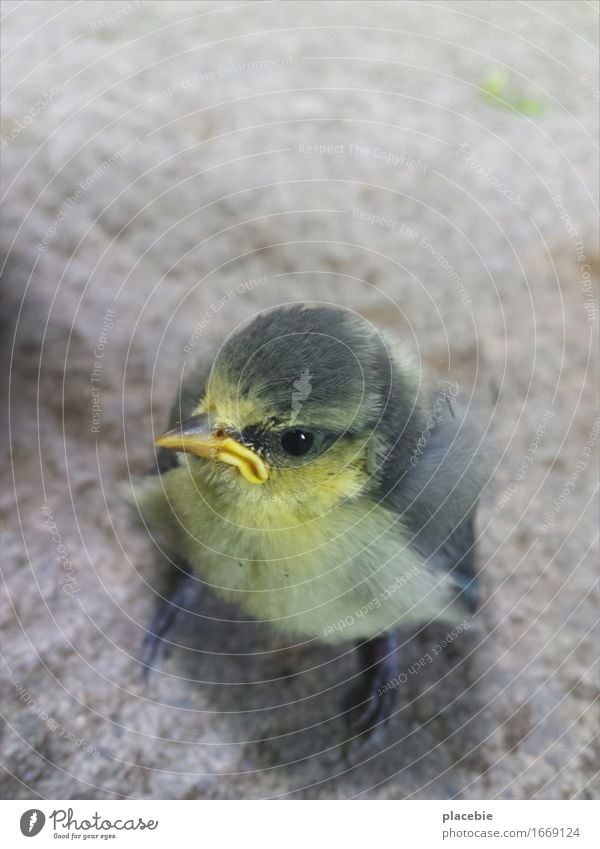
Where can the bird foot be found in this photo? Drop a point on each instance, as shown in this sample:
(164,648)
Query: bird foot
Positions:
(372,701)
(185,594)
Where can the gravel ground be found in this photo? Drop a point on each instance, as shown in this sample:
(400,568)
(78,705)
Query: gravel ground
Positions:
(171,169)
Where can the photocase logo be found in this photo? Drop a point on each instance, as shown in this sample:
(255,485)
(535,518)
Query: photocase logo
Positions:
(302,389)
(32,822)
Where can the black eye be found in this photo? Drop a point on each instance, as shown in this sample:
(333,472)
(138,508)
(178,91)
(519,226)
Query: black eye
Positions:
(297,442)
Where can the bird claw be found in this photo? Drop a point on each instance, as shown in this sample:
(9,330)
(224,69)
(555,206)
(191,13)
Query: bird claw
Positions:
(368,719)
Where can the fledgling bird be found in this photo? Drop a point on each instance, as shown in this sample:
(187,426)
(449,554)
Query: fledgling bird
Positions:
(311,477)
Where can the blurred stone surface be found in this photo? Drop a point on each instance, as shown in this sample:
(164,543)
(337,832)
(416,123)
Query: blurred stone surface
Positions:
(337,152)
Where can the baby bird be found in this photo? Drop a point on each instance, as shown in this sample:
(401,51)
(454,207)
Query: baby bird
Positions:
(312,478)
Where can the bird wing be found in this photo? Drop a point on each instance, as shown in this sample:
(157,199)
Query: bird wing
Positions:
(436,494)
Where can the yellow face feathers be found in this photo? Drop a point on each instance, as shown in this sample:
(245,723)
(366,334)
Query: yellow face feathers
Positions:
(290,406)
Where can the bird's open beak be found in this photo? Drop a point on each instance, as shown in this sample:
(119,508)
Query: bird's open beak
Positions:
(195,436)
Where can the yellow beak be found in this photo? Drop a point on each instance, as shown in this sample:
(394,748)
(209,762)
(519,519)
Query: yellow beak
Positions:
(195,436)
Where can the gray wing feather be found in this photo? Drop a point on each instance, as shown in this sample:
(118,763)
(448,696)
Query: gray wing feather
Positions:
(436,493)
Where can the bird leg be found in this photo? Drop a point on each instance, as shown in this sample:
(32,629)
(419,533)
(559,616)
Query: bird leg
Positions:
(374,697)
(183,597)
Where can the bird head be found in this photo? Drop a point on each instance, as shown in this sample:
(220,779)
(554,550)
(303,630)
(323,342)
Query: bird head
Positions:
(295,403)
